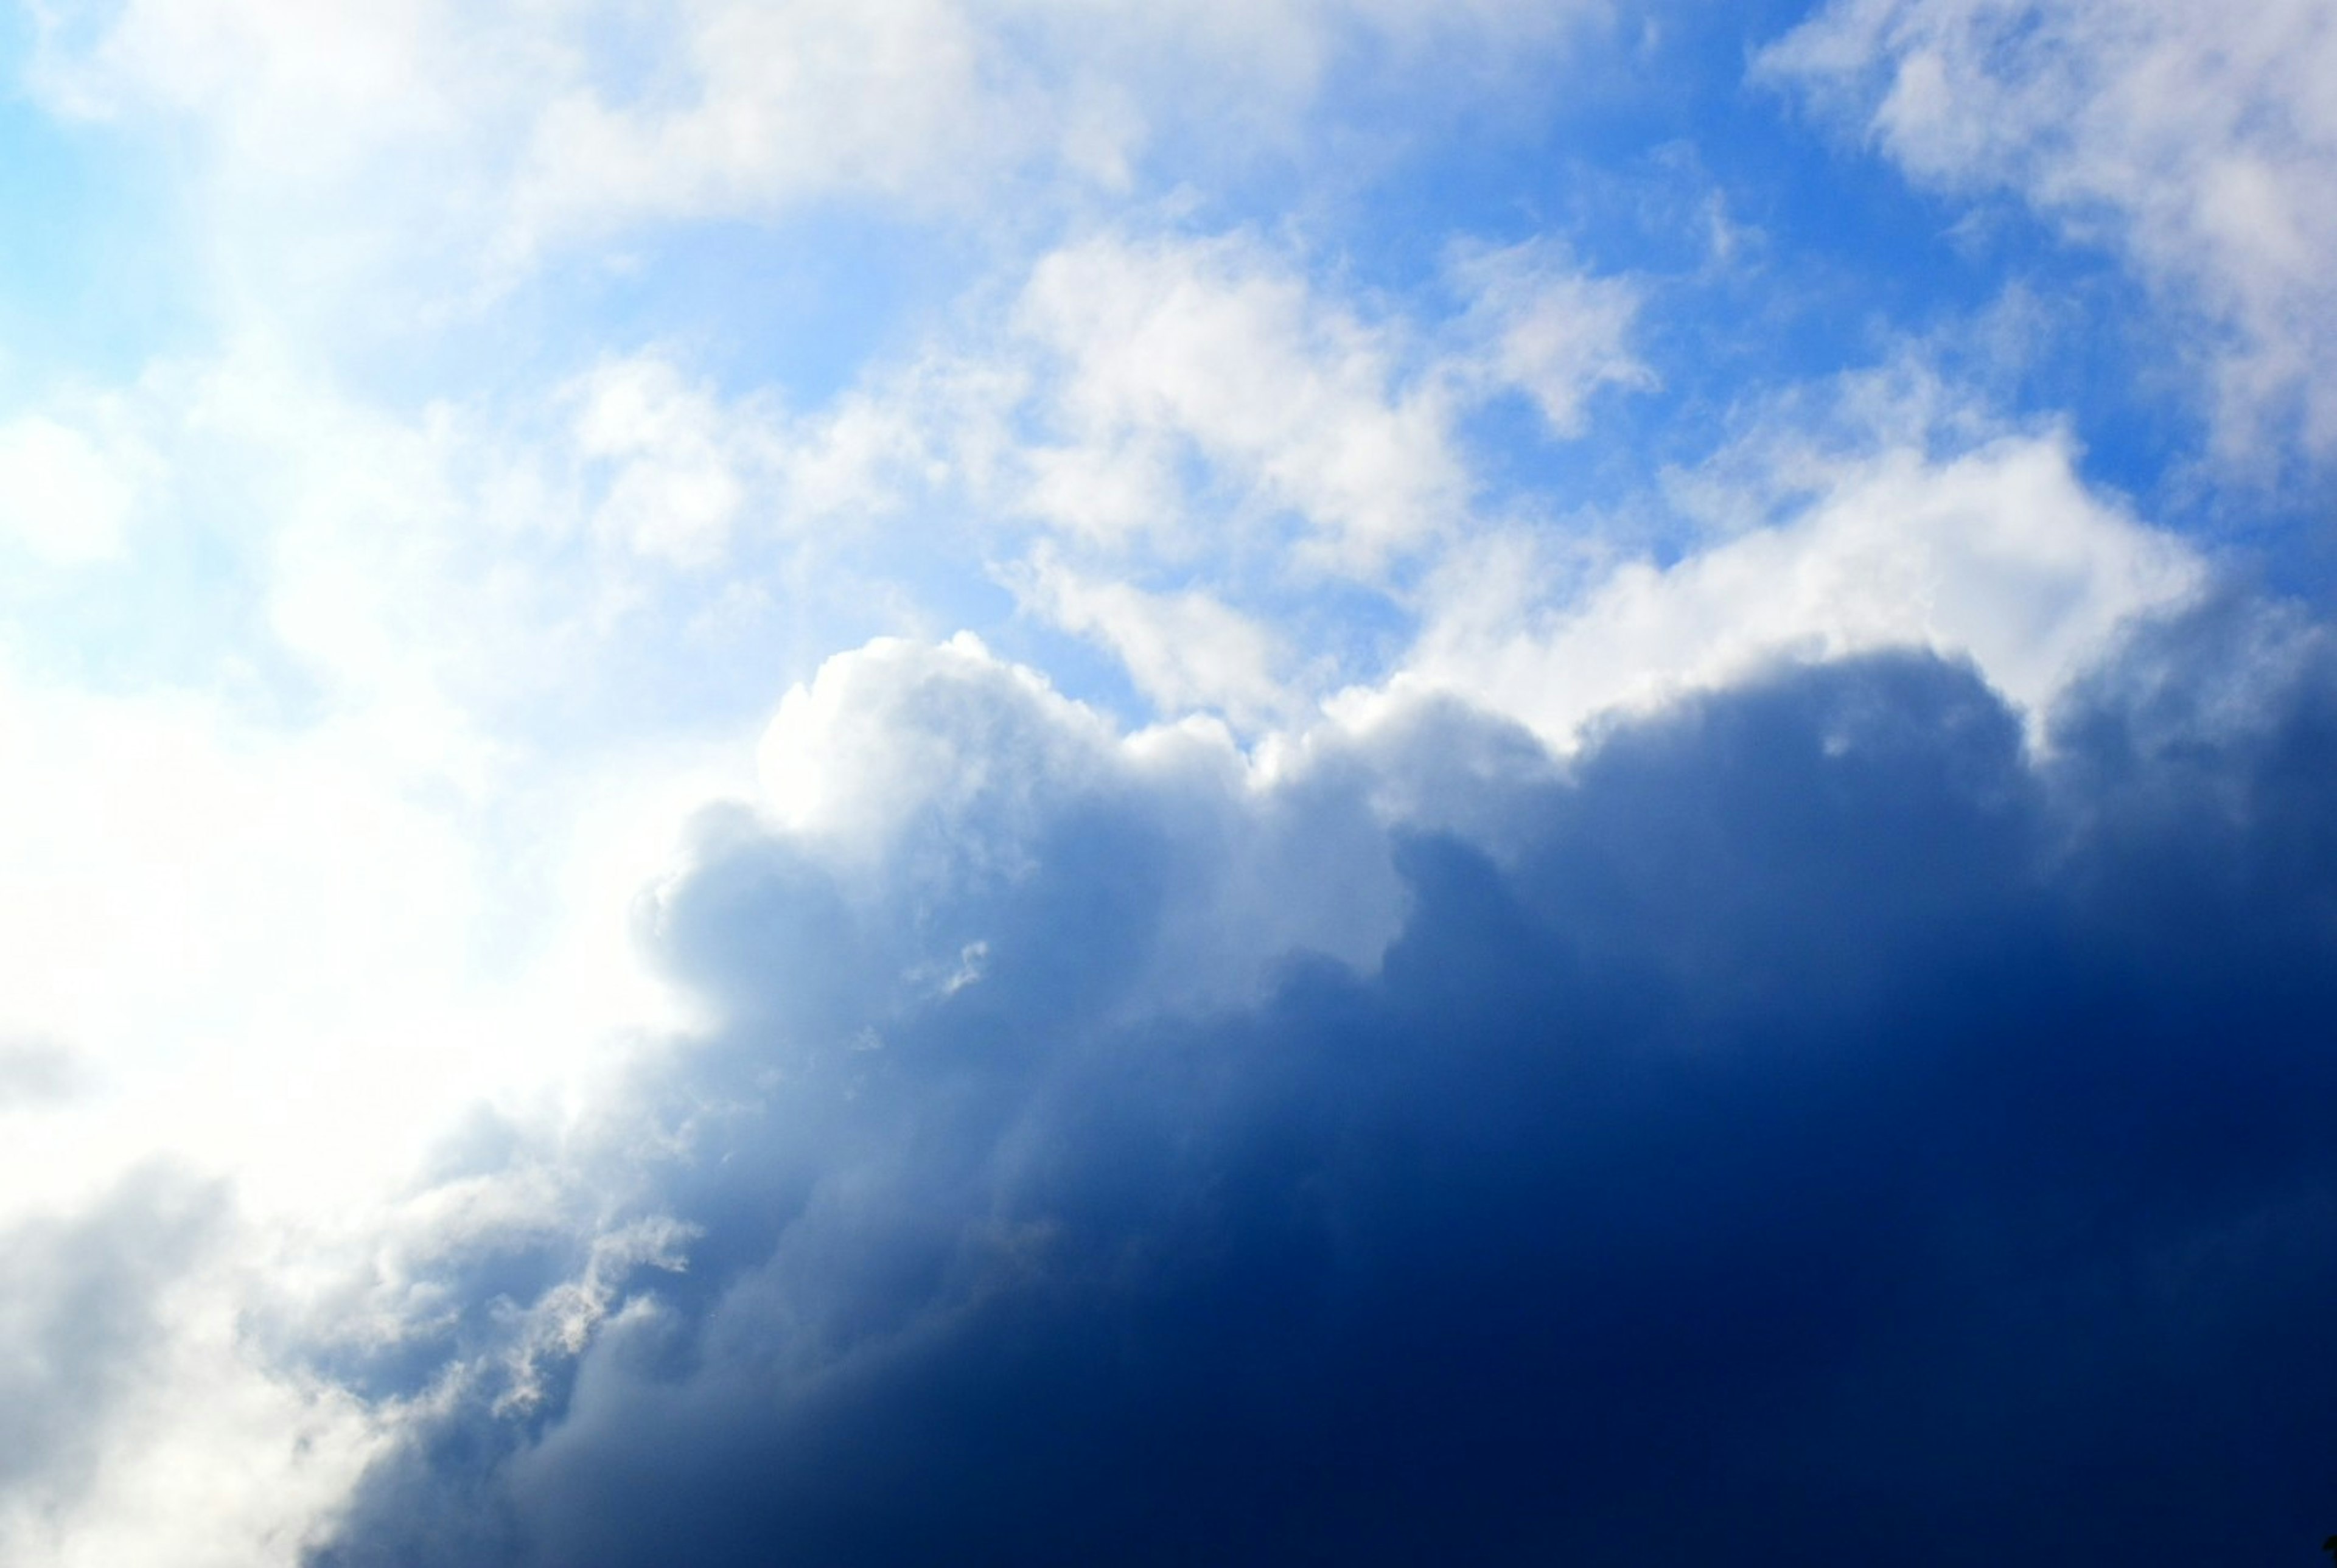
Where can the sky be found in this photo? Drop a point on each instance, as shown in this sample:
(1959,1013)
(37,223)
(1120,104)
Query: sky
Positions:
(1031,782)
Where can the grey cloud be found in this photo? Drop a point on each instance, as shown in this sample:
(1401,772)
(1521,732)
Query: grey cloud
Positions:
(1807,1128)
(82,1318)
(35,1073)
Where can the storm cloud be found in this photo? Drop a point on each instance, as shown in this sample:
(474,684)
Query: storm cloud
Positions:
(1809,1123)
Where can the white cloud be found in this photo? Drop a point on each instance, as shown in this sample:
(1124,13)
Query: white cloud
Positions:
(1170,351)
(1205,396)
(2199,140)
(63,496)
(900,736)
(681,461)
(1548,329)
(1998,553)
(320,852)
(351,142)
(1186,650)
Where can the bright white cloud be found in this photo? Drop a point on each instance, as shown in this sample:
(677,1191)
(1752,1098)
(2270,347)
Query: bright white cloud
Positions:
(1193,398)
(1186,651)
(2200,140)
(1998,554)
(1171,351)
(900,737)
(63,496)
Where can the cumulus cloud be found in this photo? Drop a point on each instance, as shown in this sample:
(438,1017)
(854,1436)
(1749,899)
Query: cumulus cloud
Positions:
(2198,141)
(1996,553)
(930,780)
(1210,347)
(1294,398)
(1807,1116)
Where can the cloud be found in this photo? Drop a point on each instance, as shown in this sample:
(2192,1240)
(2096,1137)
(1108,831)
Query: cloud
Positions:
(67,500)
(1195,449)
(1175,350)
(1548,329)
(2196,142)
(932,780)
(420,151)
(1186,651)
(1807,1122)
(677,487)
(1298,404)
(35,1073)
(1800,1033)
(80,1322)
(140,1424)
(1996,552)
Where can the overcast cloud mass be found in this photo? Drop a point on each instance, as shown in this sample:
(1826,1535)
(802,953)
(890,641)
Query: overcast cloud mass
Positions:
(1014,781)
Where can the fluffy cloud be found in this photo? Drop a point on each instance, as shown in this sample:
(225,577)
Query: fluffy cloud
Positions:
(2201,141)
(1211,349)
(1807,1114)
(1218,352)
(1997,554)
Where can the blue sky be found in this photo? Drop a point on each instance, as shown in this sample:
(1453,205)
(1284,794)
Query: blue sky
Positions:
(1030,780)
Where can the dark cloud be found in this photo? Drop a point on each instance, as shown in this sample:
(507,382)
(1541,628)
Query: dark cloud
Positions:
(1806,1130)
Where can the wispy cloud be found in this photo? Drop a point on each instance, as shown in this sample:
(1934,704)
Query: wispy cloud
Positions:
(2197,142)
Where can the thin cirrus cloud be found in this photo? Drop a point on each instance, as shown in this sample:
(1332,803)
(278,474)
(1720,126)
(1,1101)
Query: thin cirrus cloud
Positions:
(1037,782)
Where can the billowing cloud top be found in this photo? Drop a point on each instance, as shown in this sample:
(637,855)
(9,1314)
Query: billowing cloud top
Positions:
(1026,783)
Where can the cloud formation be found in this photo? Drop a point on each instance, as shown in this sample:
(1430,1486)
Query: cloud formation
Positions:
(350,144)
(1805,1126)
(1558,829)
(2199,143)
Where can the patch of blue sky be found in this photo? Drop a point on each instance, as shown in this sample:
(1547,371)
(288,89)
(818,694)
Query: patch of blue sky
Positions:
(94,277)
(1773,253)
(799,306)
